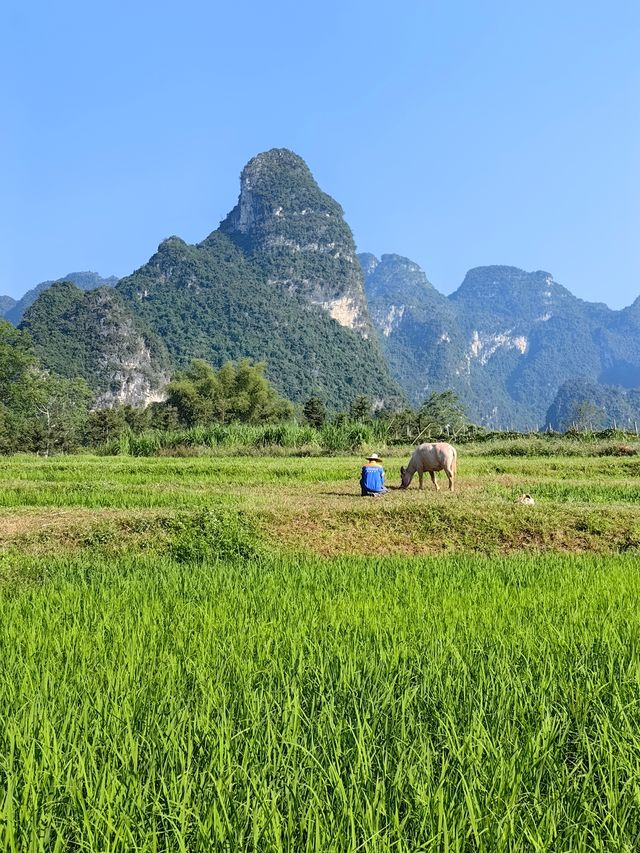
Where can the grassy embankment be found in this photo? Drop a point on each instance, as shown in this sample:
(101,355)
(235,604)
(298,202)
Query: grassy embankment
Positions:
(183,669)
(583,503)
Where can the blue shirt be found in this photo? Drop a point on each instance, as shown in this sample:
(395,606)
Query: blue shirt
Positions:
(372,478)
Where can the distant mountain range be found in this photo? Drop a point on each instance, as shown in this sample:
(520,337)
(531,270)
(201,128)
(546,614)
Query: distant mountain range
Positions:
(83,280)
(505,341)
(280,281)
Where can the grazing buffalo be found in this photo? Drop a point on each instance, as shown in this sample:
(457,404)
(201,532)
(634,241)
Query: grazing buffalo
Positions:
(431,457)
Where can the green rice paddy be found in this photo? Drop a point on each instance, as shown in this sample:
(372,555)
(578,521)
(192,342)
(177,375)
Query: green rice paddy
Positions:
(242,654)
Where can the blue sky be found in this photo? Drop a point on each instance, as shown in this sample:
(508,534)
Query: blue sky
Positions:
(456,133)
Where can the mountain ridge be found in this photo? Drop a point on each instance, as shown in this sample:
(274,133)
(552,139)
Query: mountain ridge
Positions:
(280,281)
(84,280)
(513,338)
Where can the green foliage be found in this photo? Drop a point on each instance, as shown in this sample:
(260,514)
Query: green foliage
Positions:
(39,411)
(360,408)
(17,377)
(315,412)
(213,302)
(61,413)
(587,415)
(93,335)
(212,535)
(82,280)
(583,405)
(236,392)
(441,416)
(442,413)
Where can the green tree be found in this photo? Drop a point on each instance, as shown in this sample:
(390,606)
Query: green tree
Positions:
(315,412)
(163,416)
(104,425)
(61,410)
(18,372)
(588,416)
(441,414)
(236,392)
(360,408)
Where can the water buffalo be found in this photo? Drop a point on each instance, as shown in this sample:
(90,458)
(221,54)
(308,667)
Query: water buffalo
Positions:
(431,457)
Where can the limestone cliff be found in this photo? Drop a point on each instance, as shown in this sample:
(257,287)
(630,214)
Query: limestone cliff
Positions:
(505,341)
(298,236)
(93,335)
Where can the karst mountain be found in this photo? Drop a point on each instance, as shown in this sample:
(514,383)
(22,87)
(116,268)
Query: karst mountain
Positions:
(280,281)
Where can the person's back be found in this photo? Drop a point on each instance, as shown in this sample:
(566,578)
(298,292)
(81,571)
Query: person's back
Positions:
(372,476)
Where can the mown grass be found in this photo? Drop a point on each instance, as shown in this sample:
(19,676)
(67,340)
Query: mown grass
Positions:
(183,669)
(582,503)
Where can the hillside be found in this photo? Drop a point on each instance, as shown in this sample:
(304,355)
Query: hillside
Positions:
(582,404)
(417,325)
(212,301)
(278,282)
(6,304)
(92,334)
(505,341)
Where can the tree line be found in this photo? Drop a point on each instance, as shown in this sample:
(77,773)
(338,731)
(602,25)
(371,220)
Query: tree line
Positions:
(45,413)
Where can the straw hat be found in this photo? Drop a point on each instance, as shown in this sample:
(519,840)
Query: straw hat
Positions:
(373,458)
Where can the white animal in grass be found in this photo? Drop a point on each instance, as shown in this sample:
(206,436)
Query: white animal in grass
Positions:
(527,500)
(431,457)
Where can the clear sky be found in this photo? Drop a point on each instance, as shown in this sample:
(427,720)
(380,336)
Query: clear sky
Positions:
(456,133)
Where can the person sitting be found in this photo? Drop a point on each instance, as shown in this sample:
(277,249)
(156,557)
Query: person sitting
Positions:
(372,477)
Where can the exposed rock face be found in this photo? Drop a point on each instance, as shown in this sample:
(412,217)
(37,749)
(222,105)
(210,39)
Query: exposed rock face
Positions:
(135,361)
(511,338)
(82,280)
(93,335)
(297,235)
(418,327)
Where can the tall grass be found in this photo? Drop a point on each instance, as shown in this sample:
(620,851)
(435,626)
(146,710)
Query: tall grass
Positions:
(304,705)
(355,436)
(344,437)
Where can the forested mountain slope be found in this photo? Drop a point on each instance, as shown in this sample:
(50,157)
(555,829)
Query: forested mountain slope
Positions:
(505,341)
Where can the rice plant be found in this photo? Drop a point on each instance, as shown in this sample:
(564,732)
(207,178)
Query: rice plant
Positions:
(182,672)
(298,704)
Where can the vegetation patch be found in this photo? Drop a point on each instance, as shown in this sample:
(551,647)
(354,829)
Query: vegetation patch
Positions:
(269,704)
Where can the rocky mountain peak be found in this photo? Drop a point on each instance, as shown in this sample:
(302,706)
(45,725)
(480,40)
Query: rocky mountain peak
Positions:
(298,236)
(6,304)
(396,277)
(368,262)
(275,185)
(497,280)
(504,294)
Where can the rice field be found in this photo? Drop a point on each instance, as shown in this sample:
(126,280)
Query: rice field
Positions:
(242,654)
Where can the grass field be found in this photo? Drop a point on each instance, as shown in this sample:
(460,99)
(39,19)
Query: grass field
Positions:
(242,654)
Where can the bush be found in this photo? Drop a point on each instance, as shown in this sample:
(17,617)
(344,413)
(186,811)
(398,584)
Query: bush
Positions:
(212,534)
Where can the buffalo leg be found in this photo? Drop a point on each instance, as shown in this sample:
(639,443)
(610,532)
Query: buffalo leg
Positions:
(420,476)
(432,474)
(450,477)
